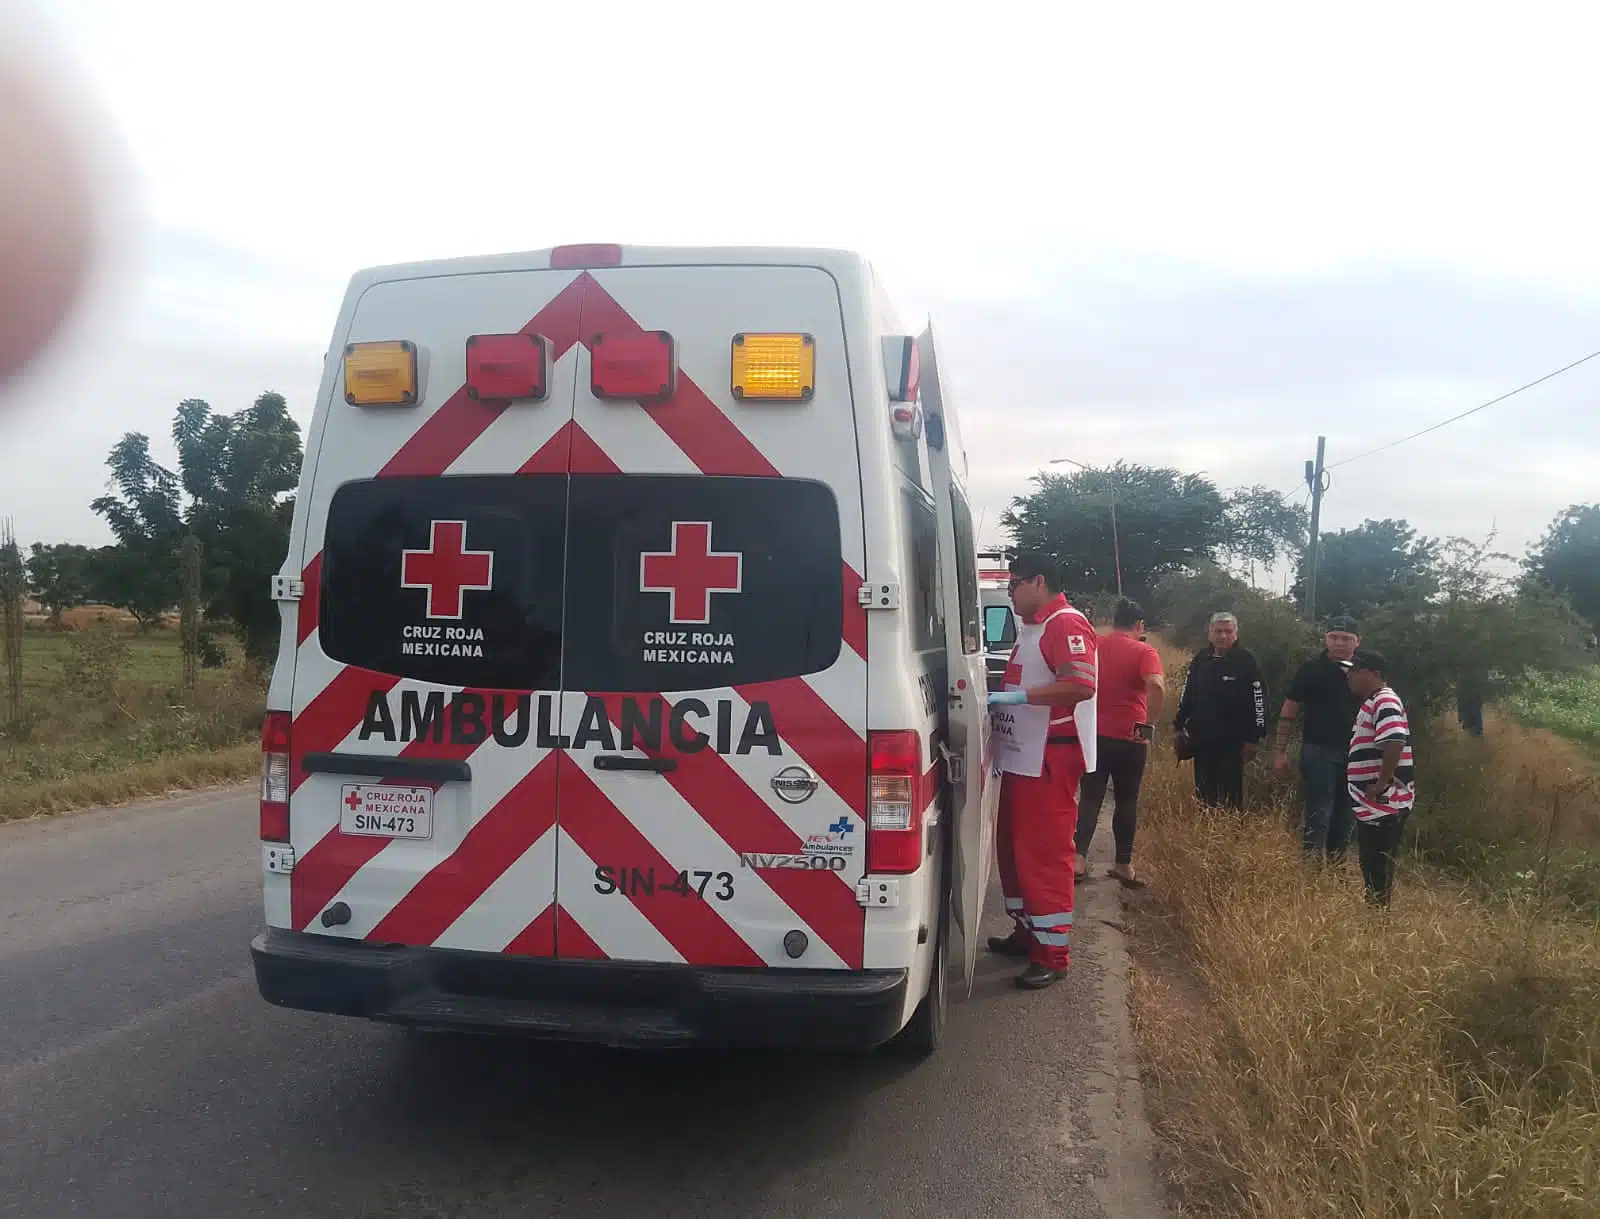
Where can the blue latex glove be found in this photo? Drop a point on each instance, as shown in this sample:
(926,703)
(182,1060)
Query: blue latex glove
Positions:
(1002,698)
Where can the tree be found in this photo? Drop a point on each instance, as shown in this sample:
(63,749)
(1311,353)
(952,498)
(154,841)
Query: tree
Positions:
(59,576)
(239,471)
(1260,527)
(13,587)
(234,474)
(131,580)
(1473,626)
(145,516)
(1567,559)
(1166,521)
(1375,564)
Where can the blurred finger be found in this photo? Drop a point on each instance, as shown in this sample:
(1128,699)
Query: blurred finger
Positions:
(46,224)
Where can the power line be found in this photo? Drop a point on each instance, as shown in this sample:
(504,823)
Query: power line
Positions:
(1456,418)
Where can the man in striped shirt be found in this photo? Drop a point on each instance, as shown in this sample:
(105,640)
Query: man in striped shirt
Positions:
(1380,773)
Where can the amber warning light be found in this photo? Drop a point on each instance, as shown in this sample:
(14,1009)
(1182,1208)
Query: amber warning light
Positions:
(380,374)
(774,367)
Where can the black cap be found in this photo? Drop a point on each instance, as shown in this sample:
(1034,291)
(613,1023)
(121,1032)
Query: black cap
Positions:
(1372,662)
(1342,623)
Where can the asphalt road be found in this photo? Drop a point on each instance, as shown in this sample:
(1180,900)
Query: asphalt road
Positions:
(141,1075)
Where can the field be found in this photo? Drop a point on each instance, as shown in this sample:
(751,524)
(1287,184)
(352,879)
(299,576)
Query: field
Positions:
(105,718)
(1307,1056)
(1568,704)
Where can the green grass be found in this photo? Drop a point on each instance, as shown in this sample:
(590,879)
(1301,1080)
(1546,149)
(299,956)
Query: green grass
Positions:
(152,658)
(1567,704)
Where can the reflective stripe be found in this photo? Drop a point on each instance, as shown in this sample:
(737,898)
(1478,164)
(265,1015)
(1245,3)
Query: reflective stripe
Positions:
(1053,939)
(1051,920)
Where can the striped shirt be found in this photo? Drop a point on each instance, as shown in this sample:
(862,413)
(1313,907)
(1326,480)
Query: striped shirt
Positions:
(1381,721)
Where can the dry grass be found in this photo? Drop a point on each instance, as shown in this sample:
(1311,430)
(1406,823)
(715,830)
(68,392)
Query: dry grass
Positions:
(173,773)
(1308,1056)
(105,720)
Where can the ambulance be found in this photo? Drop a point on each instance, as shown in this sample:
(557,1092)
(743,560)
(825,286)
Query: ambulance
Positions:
(631,687)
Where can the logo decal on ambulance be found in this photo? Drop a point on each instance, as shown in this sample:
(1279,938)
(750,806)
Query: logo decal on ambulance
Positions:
(447,570)
(690,573)
(835,842)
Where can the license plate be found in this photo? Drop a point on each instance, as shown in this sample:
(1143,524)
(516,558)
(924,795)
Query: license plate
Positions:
(386,810)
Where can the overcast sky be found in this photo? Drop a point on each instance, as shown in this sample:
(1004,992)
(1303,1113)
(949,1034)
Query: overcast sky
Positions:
(1194,235)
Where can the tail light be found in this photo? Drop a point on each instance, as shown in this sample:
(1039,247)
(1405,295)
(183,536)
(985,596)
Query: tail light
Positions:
(894,802)
(275,777)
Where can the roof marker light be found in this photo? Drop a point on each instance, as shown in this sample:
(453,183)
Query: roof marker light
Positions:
(576,257)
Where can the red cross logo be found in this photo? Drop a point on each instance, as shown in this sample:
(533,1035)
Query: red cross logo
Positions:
(447,569)
(353,800)
(690,572)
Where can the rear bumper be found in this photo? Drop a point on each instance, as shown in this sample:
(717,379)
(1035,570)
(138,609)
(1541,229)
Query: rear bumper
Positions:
(606,1002)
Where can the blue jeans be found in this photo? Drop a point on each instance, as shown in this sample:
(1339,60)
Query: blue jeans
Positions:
(1328,817)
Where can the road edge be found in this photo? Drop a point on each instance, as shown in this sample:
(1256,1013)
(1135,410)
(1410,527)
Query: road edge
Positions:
(1130,1185)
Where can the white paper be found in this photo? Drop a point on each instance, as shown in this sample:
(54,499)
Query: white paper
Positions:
(1019,738)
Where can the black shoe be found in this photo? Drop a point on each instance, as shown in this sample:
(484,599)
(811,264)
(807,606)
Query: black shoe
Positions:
(1037,977)
(1012,945)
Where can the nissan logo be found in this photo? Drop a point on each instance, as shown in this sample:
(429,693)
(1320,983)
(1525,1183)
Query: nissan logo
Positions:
(794,784)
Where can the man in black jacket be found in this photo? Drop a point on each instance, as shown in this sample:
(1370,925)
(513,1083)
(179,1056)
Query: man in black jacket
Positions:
(1223,714)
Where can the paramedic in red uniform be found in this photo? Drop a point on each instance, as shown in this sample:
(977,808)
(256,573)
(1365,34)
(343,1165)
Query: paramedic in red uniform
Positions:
(1048,707)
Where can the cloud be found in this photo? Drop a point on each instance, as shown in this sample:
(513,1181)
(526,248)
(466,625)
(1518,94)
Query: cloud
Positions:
(1167,234)
(1237,376)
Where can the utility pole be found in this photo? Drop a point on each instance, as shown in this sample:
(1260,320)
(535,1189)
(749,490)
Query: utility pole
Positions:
(1315,477)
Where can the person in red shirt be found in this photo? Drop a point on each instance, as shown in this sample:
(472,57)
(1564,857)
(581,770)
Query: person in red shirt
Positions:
(1048,705)
(1132,690)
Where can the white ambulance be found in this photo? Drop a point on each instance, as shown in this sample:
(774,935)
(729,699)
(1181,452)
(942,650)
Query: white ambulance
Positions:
(631,687)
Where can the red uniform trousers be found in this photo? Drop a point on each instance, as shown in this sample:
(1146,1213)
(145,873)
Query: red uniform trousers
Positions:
(1034,845)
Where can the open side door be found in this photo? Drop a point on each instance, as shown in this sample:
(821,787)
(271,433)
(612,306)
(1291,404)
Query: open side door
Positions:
(974,793)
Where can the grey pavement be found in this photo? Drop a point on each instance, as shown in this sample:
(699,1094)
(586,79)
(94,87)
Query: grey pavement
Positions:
(141,1075)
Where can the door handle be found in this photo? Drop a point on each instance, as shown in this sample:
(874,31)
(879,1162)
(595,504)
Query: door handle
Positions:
(617,761)
(371,766)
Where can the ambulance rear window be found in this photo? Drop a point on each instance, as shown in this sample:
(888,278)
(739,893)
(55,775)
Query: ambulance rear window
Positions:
(681,582)
(450,580)
(666,583)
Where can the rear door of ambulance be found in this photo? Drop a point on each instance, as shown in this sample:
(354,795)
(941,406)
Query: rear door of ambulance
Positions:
(581,668)
(424,744)
(713,787)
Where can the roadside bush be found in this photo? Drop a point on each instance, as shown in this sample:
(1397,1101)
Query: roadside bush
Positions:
(93,665)
(1269,626)
(1566,703)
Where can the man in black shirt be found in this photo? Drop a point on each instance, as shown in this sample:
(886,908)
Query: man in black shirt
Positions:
(1222,716)
(1321,690)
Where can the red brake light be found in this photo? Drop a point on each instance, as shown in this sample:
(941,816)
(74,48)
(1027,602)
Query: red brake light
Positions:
(634,366)
(895,802)
(503,367)
(573,257)
(275,777)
